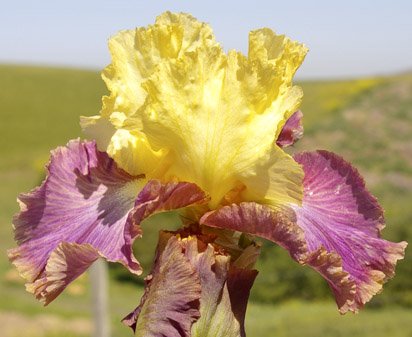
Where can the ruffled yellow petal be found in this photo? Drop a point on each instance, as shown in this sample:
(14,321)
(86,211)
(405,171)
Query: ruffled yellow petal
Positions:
(179,107)
(219,114)
(130,150)
(284,57)
(135,56)
(136,53)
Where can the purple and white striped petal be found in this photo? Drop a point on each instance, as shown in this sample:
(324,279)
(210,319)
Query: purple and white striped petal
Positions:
(81,212)
(335,230)
(292,131)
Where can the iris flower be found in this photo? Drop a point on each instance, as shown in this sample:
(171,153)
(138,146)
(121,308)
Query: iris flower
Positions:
(189,127)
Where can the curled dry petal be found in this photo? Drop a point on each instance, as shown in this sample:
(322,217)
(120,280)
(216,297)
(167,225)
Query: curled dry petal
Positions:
(292,131)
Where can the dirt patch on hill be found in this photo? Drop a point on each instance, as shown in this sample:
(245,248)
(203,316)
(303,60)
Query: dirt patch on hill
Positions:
(15,324)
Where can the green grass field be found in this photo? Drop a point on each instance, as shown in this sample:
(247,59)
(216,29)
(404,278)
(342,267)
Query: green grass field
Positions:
(369,121)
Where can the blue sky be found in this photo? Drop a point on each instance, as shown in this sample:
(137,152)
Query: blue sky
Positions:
(346,38)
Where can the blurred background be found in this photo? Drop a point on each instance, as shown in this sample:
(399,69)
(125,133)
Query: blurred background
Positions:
(357,80)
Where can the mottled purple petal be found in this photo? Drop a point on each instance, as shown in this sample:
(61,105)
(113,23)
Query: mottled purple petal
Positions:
(86,200)
(67,262)
(157,197)
(239,284)
(221,303)
(292,131)
(262,221)
(225,290)
(171,302)
(280,226)
(339,215)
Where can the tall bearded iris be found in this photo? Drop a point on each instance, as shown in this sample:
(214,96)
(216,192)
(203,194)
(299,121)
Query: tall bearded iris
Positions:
(187,126)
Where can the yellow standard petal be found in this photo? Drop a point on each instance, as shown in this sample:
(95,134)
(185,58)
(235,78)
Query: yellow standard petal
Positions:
(181,108)
(219,115)
(135,56)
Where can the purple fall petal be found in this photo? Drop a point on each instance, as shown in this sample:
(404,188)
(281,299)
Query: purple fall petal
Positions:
(341,217)
(85,201)
(335,230)
(292,131)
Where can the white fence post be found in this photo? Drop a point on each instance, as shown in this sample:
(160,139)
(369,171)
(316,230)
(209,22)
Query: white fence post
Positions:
(99,283)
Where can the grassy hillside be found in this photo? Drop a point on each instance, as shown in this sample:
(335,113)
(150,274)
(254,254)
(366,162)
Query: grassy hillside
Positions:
(368,121)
